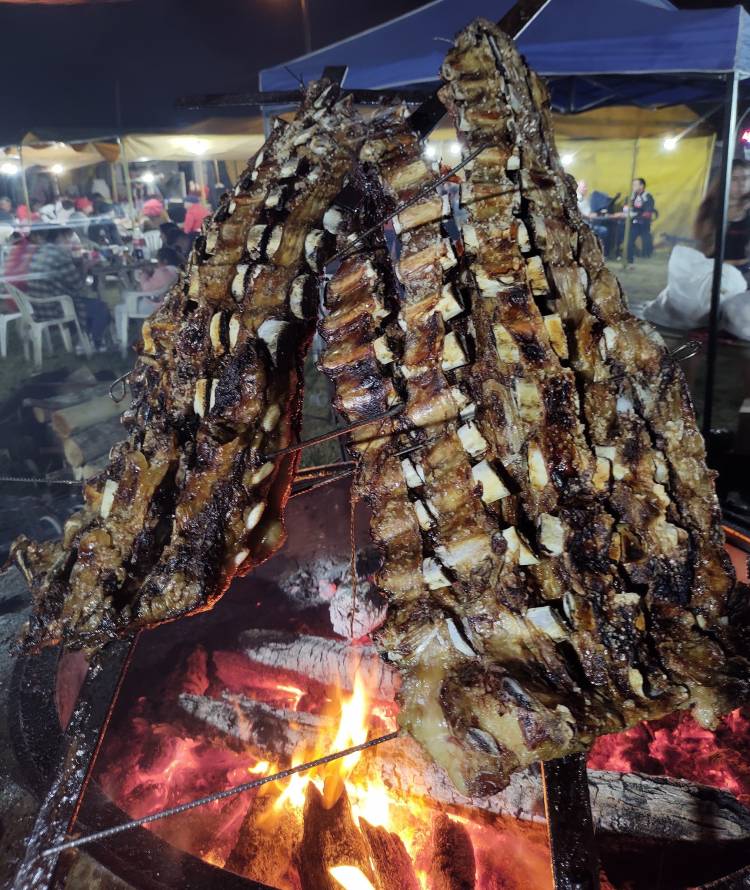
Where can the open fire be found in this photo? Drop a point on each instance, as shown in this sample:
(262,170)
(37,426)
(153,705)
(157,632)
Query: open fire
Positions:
(221,718)
(339,826)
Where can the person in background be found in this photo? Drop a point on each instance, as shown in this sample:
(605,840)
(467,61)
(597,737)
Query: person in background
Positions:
(153,213)
(159,279)
(194,215)
(642,210)
(53,272)
(582,196)
(173,236)
(736,251)
(102,229)
(65,210)
(6,210)
(18,261)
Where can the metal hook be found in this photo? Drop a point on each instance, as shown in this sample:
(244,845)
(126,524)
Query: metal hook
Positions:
(687,350)
(123,380)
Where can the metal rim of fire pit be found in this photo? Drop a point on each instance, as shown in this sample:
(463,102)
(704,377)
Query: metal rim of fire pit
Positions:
(139,857)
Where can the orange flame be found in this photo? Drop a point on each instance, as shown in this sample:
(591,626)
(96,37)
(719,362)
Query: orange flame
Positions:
(350,877)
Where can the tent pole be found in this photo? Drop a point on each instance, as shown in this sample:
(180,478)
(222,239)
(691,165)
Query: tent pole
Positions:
(628,218)
(113,177)
(128,184)
(24,183)
(727,156)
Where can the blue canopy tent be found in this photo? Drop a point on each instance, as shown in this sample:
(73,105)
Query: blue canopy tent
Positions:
(590,51)
(593,54)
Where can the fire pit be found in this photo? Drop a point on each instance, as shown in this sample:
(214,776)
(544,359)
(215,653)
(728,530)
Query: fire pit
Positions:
(263,681)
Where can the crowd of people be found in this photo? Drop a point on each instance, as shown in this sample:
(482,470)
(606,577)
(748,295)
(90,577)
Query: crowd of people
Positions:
(50,250)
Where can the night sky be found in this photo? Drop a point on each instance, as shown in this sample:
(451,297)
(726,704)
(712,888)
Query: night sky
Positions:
(60,65)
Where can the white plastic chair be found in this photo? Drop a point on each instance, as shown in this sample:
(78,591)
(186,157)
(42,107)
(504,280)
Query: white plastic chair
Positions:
(129,310)
(5,319)
(153,243)
(39,331)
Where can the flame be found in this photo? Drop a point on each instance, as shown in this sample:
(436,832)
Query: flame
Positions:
(350,877)
(262,767)
(296,694)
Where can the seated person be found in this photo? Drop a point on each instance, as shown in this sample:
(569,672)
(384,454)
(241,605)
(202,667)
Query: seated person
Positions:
(6,210)
(158,280)
(173,236)
(686,300)
(195,213)
(102,228)
(53,273)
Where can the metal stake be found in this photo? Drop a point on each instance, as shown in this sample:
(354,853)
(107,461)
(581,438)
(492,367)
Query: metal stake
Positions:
(78,748)
(570,826)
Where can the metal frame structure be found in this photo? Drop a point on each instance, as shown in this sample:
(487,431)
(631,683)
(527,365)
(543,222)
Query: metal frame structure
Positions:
(570,825)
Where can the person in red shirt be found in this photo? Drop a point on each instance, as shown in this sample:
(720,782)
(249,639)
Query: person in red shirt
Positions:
(195,214)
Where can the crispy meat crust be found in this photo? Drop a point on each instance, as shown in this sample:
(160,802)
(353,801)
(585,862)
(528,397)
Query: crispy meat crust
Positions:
(188,500)
(552,552)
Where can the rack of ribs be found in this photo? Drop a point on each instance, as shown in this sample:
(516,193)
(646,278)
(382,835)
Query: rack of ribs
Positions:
(551,546)
(189,500)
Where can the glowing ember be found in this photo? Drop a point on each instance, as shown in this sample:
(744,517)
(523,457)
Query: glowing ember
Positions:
(677,746)
(350,877)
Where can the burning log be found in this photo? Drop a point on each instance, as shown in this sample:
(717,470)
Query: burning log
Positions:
(333,662)
(275,731)
(329,839)
(391,860)
(623,803)
(265,843)
(452,863)
(356,616)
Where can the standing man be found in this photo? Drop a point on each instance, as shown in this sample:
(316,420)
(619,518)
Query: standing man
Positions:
(642,210)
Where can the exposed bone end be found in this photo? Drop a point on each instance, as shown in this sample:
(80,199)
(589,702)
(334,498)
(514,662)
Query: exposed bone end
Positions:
(274,242)
(457,639)
(254,240)
(536,276)
(538,475)
(518,550)
(234,330)
(472,441)
(199,398)
(297,296)
(661,470)
(332,220)
(433,575)
(241,557)
(602,474)
(493,488)
(271,418)
(212,396)
(556,334)
(108,497)
(382,352)
(453,353)
(238,282)
(545,620)
(312,246)
(528,400)
(423,517)
(253,514)
(551,534)
(470,238)
(448,306)
(522,234)
(215,332)
(270,332)
(507,348)
(262,473)
(413,474)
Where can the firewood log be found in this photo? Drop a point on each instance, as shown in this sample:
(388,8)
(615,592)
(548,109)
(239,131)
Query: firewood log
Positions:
(329,661)
(329,838)
(392,862)
(452,863)
(87,445)
(265,843)
(66,421)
